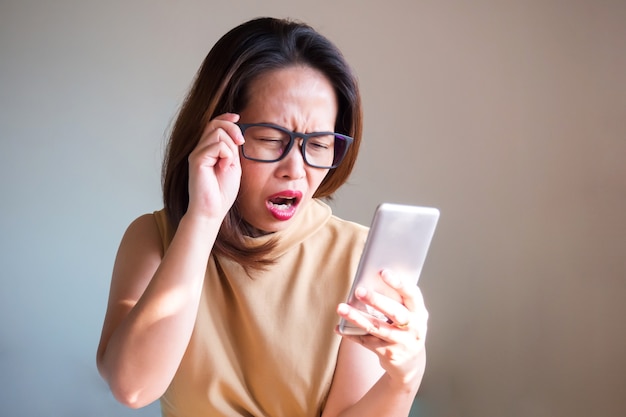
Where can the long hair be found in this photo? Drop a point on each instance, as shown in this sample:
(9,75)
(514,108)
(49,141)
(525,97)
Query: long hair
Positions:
(221,85)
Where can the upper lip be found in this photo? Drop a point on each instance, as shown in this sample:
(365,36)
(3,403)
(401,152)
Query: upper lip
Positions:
(294,194)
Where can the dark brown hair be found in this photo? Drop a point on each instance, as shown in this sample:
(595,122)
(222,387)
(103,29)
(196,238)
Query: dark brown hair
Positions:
(221,85)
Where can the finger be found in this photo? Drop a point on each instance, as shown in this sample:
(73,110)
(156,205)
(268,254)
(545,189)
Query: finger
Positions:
(400,318)
(229,117)
(407,290)
(392,309)
(219,148)
(228,158)
(360,319)
(231,128)
(222,128)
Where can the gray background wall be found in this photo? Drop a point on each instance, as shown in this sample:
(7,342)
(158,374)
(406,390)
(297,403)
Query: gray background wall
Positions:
(510,116)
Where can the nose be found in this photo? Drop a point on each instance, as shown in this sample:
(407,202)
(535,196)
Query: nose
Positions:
(293,165)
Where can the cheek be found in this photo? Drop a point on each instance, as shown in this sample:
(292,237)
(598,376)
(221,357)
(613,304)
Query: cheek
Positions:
(315,178)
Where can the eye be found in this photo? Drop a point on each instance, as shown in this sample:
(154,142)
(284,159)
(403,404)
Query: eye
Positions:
(321,143)
(268,140)
(318,145)
(266,136)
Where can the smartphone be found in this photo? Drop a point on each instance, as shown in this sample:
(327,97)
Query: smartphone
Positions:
(398,240)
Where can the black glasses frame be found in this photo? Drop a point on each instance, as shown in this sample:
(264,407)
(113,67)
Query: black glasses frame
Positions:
(292,139)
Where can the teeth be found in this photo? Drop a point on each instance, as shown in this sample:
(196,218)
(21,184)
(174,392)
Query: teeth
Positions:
(282,203)
(282,206)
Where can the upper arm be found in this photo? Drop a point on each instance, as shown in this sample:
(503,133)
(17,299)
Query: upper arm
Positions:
(357,370)
(138,257)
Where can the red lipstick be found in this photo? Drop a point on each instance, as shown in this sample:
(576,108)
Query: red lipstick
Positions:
(283,205)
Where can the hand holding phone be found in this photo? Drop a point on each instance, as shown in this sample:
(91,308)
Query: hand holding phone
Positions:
(398,240)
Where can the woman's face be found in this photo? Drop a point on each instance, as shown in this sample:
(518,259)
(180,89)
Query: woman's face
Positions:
(300,99)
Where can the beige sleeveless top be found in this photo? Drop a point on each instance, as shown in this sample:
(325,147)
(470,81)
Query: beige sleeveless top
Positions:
(264,345)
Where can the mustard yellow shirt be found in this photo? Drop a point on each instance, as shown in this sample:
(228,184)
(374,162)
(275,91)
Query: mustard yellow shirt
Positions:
(263,345)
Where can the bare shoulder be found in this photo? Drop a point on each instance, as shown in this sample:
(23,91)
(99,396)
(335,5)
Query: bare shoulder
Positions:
(144,226)
(143,230)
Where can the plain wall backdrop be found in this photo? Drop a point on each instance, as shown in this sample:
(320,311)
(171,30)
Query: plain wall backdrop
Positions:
(509,116)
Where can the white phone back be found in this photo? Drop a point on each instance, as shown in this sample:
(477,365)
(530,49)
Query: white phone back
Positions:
(398,240)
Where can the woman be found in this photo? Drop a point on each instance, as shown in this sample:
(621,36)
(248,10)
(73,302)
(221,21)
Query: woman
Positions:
(224,302)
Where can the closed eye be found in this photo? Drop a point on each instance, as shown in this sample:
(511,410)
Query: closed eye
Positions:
(319,145)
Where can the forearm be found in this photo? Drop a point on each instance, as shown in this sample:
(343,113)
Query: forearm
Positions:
(389,396)
(146,347)
(383,399)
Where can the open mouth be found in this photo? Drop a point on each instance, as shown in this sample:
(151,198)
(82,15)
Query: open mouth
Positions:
(283,203)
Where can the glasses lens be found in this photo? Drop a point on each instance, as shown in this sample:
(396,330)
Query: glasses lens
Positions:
(325,151)
(342,143)
(264,143)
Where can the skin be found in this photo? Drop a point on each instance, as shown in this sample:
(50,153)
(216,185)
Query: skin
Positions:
(301,100)
(154,296)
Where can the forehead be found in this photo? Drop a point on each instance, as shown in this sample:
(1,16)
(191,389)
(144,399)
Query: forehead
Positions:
(291,97)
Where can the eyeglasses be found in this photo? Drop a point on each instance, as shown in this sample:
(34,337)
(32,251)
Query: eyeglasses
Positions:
(266,142)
